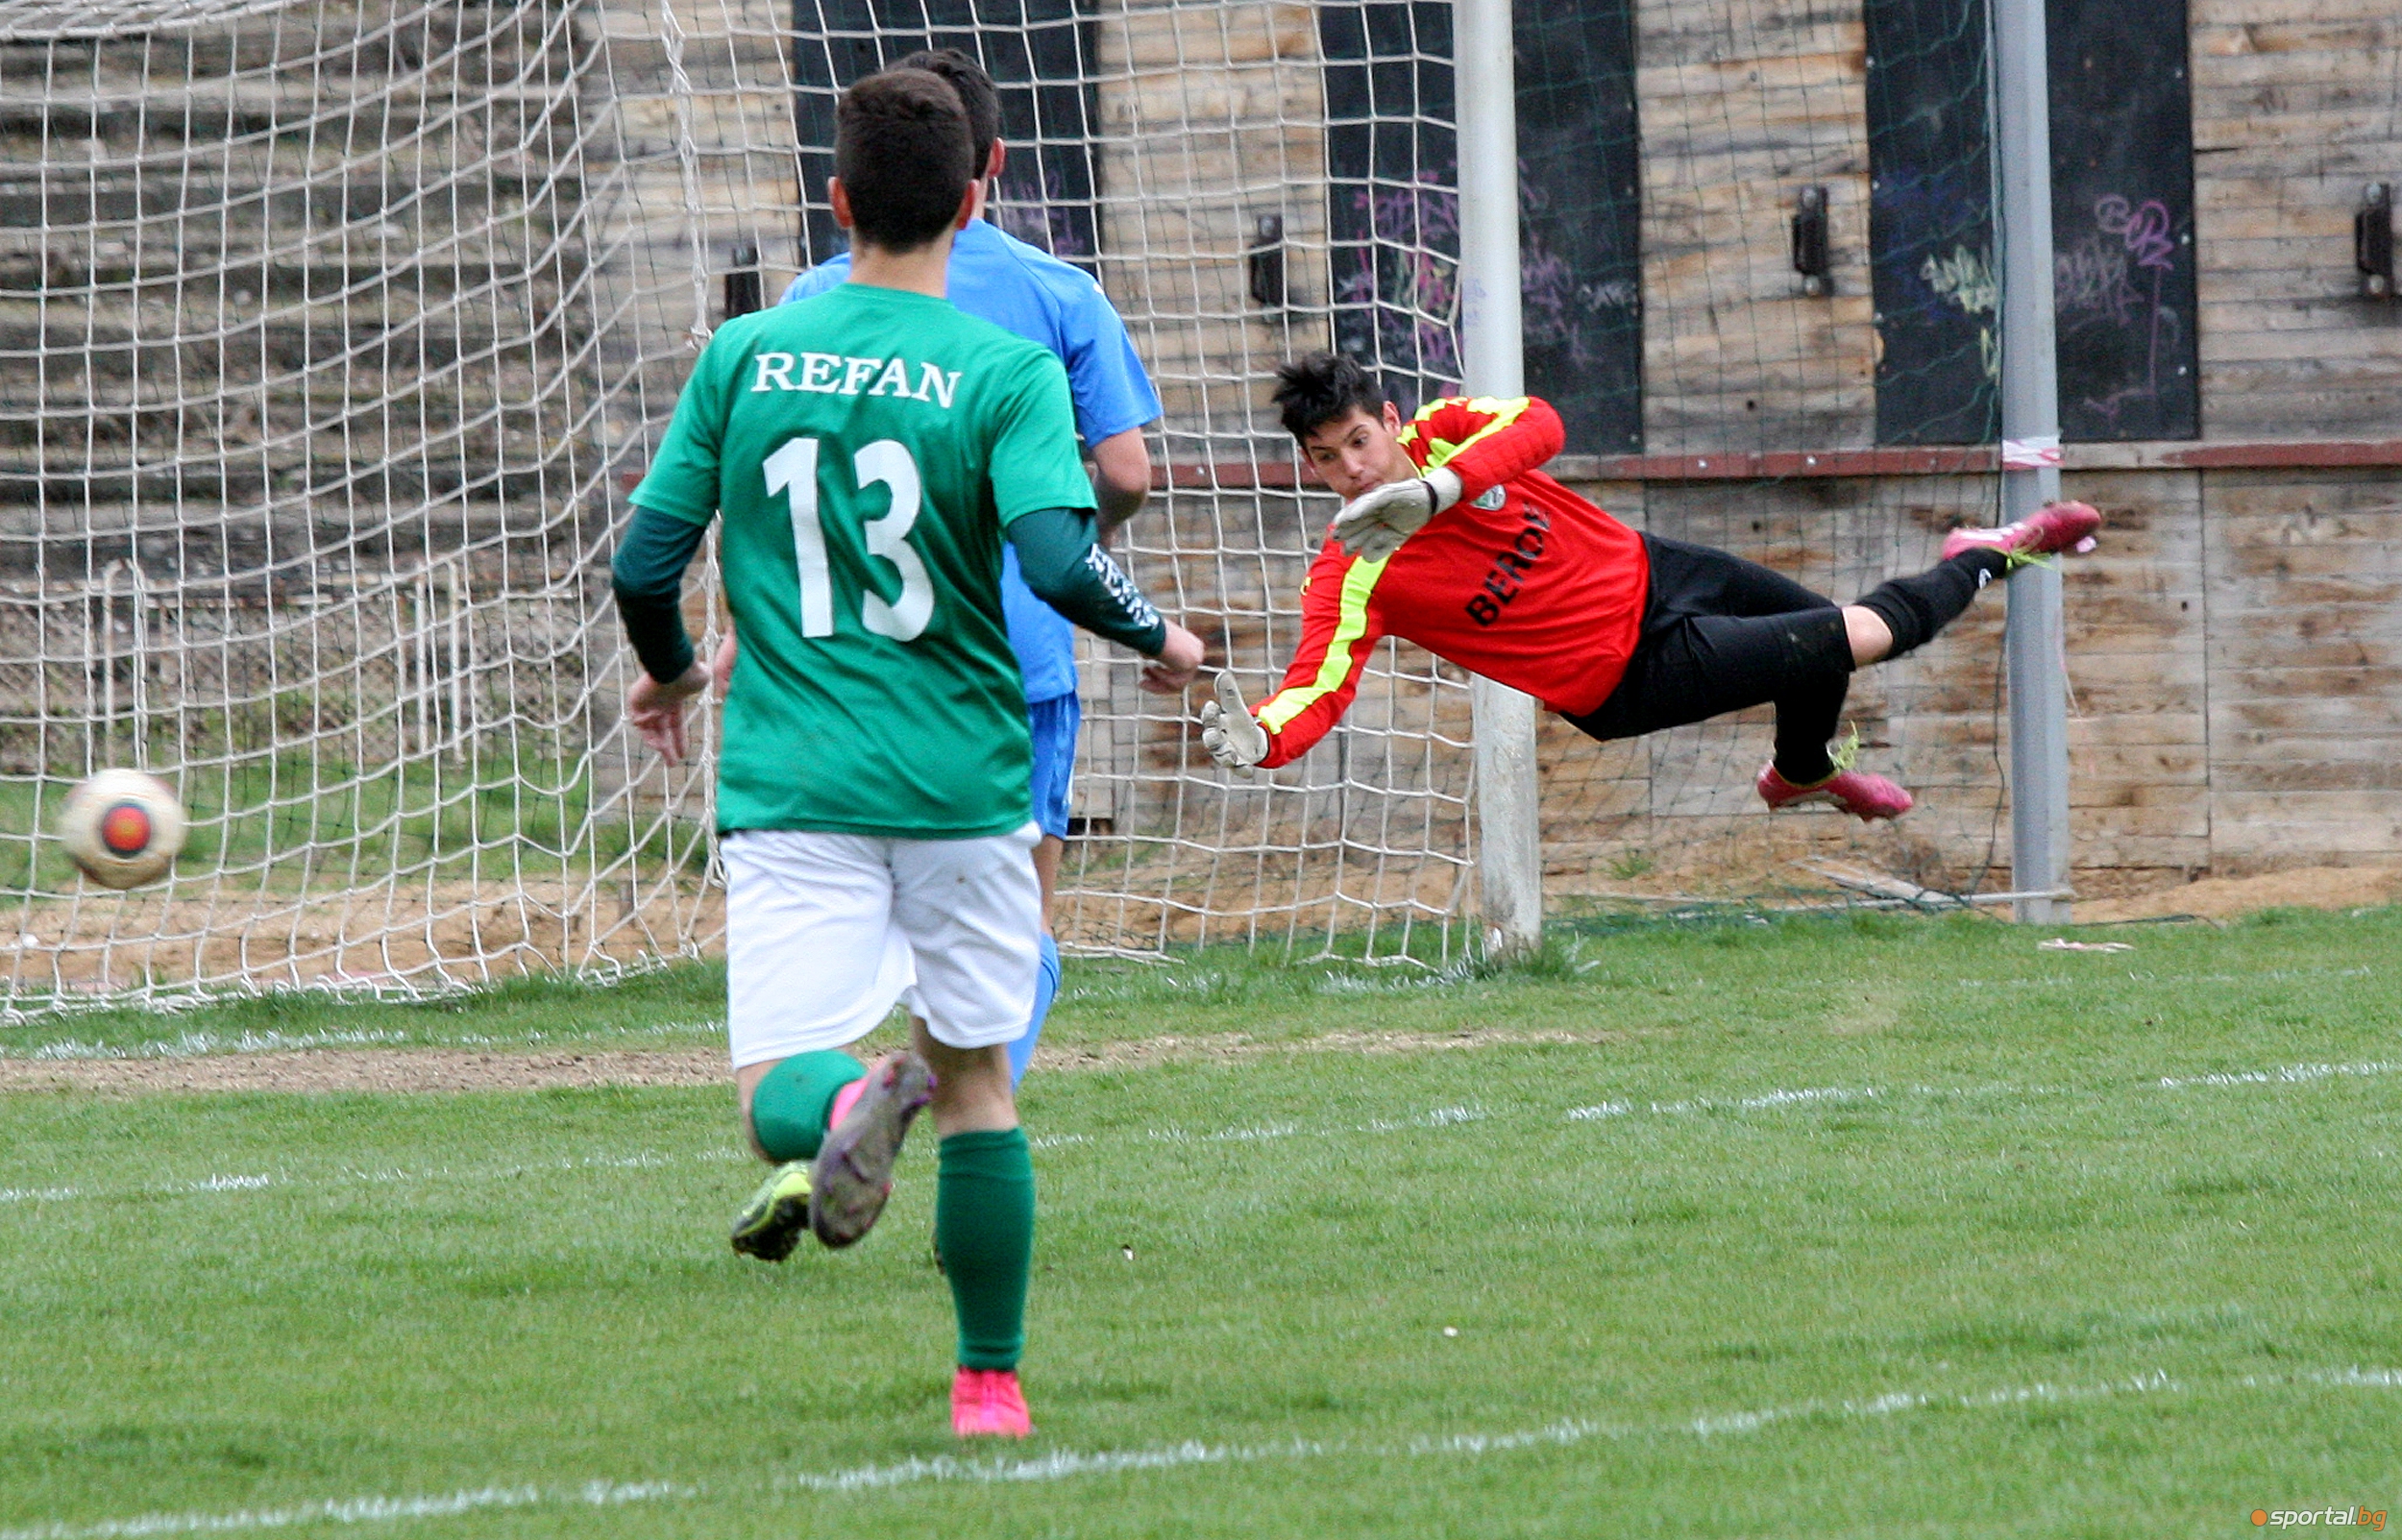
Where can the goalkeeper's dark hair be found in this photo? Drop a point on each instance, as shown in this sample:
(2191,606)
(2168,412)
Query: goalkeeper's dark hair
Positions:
(976,93)
(901,146)
(1319,388)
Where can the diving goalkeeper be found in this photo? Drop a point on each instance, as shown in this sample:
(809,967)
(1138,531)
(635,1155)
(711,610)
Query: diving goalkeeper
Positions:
(1452,538)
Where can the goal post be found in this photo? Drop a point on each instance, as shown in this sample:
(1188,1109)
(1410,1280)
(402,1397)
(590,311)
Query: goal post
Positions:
(2030,463)
(1510,835)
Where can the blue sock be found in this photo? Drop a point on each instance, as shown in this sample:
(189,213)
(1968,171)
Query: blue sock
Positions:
(1046,990)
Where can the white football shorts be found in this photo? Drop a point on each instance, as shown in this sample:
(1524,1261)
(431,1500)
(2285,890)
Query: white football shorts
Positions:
(825,932)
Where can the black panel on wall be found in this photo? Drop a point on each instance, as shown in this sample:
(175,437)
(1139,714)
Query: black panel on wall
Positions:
(1580,214)
(1037,54)
(1392,160)
(1930,225)
(1392,165)
(2122,219)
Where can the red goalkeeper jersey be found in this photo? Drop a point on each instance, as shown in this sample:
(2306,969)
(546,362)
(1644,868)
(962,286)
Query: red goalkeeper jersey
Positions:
(1522,580)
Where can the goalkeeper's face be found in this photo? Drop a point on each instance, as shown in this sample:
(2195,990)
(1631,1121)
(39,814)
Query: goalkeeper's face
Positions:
(1357,452)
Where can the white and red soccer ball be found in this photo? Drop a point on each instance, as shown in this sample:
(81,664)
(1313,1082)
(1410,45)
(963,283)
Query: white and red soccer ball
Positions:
(122,827)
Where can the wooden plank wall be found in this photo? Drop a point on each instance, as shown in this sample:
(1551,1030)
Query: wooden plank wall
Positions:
(1215,115)
(2294,108)
(2234,645)
(2303,667)
(738,114)
(1739,108)
(2235,661)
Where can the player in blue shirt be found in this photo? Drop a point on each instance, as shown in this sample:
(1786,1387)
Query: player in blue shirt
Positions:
(1026,290)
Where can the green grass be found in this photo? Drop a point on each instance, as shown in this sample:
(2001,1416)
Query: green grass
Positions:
(1873,1228)
(683,1006)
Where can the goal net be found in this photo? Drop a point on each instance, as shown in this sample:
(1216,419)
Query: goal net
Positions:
(338,331)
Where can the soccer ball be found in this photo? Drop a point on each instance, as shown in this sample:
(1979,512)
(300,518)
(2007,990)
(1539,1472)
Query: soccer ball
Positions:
(122,827)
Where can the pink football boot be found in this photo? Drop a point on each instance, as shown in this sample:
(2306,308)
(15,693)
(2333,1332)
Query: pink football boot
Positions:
(2055,528)
(988,1404)
(1865,797)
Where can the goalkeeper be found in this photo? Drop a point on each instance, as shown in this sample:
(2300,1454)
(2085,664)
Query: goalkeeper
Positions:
(1451,538)
(869,451)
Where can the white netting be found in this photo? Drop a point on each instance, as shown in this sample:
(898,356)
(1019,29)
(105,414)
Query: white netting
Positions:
(327,331)
(335,331)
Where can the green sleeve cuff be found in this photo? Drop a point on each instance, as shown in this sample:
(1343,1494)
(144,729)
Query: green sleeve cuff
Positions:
(1068,572)
(649,579)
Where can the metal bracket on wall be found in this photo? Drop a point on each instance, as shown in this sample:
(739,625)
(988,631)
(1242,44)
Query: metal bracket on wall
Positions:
(1266,261)
(744,290)
(2373,241)
(1809,241)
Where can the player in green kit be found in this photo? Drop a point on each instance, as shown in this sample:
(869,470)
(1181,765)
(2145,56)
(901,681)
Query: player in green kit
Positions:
(868,451)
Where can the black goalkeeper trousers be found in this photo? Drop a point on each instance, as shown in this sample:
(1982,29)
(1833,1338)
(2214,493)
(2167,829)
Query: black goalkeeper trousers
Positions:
(1720,634)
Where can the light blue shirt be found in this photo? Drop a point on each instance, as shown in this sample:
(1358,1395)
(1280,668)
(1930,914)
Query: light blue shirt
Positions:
(997,277)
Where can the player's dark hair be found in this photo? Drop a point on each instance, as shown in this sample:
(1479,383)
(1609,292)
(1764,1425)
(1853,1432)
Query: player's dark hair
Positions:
(1318,388)
(976,93)
(901,146)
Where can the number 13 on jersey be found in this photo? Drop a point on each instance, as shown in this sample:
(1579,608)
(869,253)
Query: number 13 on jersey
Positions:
(792,471)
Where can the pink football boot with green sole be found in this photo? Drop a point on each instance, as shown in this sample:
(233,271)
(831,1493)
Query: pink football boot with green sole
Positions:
(2050,531)
(1865,797)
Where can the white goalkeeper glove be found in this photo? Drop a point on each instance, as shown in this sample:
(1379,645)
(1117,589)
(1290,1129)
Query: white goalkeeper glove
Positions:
(1233,738)
(1373,524)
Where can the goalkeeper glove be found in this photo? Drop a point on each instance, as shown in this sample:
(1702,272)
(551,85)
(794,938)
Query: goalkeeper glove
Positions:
(1229,733)
(1373,524)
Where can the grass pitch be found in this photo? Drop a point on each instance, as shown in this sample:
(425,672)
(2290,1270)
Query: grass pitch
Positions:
(1872,1228)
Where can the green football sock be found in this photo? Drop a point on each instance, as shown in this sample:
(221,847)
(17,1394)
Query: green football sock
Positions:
(788,1109)
(984,1226)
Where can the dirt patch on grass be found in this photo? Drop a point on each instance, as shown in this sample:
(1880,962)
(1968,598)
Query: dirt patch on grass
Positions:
(385,933)
(2232,897)
(393,1071)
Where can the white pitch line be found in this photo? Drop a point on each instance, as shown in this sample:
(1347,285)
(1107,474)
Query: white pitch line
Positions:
(360,1510)
(212,1184)
(1059,1465)
(646,1160)
(2288,1075)
(1069,1464)
(230,1183)
(1767,1102)
(1437,1118)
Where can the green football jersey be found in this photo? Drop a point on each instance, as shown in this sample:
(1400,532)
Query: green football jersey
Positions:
(866,448)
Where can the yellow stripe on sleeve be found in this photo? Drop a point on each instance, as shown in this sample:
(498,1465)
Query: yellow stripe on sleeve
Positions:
(1277,712)
(1505,413)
